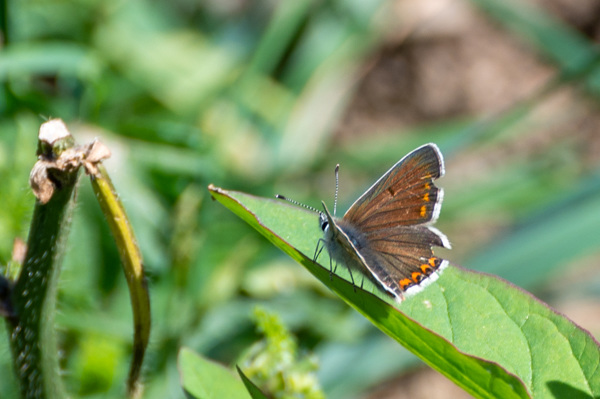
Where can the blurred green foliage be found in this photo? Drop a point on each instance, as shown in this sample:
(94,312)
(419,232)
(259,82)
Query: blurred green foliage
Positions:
(248,95)
(274,364)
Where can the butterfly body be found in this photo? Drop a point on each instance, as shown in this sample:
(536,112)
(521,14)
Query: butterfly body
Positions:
(387,232)
(343,242)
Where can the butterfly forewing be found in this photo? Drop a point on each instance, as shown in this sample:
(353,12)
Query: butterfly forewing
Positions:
(404,195)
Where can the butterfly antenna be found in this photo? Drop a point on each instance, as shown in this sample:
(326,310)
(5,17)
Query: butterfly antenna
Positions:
(310,208)
(337,170)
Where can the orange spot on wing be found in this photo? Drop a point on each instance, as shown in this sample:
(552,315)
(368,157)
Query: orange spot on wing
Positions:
(426,197)
(417,276)
(433,261)
(405,283)
(426,269)
(423,211)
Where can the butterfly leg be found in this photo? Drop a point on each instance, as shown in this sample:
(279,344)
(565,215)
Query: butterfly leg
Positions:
(351,277)
(331,269)
(318,249)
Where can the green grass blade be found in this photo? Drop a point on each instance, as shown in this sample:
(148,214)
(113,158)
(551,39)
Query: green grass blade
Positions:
(548,240)
(561,43)
(486,335)
(576,56)
(131,259)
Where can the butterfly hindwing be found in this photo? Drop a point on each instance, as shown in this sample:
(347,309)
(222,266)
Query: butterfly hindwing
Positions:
(404,255)
(399,259)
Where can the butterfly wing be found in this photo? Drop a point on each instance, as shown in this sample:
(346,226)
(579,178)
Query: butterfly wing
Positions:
(388,227)
(401,261)
(404,195)
(403,257)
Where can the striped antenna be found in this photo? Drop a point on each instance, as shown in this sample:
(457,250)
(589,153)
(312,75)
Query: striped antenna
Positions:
(310,208)
(337,170)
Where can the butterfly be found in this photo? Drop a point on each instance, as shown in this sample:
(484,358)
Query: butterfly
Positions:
(387,233)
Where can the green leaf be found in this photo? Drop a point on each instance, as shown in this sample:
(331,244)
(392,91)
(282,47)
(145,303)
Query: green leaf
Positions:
(204,379)
(254,391)
(488,336)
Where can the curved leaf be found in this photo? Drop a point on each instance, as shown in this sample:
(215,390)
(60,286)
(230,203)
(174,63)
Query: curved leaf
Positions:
(488,336)
(131,259)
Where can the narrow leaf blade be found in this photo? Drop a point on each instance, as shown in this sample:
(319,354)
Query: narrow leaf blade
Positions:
(254,391)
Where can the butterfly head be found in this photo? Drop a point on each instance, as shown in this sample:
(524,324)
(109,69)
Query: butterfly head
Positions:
(323,222)
(327,224)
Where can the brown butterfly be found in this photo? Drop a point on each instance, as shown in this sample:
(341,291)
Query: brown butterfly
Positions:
(387,232)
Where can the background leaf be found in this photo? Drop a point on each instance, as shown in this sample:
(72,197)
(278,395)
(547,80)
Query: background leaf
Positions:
(203,379)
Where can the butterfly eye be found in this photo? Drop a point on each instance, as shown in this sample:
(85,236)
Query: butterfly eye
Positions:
(323,222)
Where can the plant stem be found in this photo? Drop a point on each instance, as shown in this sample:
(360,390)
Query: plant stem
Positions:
(33,297)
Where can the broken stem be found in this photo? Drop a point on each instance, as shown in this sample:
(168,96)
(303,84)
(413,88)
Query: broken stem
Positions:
(33,297)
